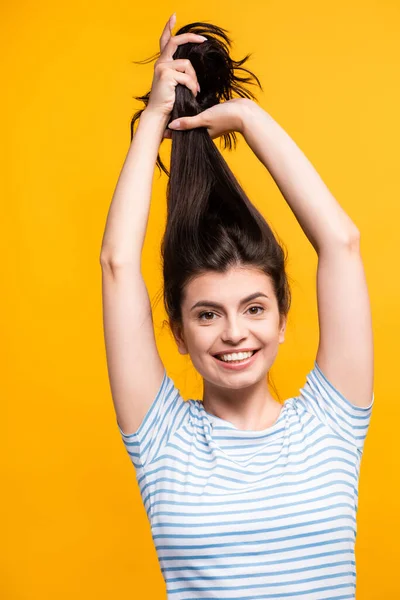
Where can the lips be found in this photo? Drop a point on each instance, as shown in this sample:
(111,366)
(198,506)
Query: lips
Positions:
(218,356)
(236,366)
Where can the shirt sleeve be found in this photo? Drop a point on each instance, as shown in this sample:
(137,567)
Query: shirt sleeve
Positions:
(322,399)
(166,414)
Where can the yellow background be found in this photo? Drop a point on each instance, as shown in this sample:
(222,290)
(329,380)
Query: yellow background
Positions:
(73,519)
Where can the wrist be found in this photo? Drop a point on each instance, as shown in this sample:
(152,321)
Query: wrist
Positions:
(250,114)
(155,117)
(246,110)
(154,121)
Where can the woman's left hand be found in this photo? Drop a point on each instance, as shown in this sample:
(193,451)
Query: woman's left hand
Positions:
(218,119)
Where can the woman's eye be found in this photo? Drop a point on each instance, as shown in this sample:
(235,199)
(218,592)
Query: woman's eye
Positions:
(206,313)
(260,307)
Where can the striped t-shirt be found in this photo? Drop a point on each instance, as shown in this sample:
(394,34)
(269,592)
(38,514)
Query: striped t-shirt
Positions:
(249,515)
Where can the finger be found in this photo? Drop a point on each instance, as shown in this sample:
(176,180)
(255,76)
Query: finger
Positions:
(176,40)
(167,31)
(186,123)
(184,65)
(171,23)
(188,81)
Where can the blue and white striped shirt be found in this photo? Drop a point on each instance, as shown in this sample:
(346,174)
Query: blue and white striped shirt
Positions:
(250,515)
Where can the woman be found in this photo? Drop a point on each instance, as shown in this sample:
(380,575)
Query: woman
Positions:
(247,497)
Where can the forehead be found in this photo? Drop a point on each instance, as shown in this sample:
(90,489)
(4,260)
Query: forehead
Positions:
(229,287)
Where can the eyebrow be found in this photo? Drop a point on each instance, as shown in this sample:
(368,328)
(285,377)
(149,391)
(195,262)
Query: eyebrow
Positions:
(220,306)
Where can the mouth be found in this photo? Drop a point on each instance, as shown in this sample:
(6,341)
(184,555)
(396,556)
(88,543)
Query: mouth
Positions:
(236,364)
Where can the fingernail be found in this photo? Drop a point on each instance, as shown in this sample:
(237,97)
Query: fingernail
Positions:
(202,37)
(175,125)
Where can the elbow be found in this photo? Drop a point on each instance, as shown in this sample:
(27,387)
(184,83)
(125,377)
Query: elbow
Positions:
(348,239)
(353,239)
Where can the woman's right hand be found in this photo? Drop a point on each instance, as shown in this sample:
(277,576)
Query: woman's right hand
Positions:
(168,72)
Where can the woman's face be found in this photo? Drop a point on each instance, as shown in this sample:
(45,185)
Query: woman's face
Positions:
(219,317)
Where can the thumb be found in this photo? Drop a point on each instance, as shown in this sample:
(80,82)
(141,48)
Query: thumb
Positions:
(185,123)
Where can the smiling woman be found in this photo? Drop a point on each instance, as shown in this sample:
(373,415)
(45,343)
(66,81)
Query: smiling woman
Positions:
(247,497)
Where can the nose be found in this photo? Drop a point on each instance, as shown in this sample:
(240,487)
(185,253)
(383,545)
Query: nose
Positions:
(234,332)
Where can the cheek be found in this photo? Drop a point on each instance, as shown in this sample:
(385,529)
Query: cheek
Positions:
(199,339)
(205,339)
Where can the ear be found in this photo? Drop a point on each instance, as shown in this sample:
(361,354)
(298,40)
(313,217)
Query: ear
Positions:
(282,329)
(177,332)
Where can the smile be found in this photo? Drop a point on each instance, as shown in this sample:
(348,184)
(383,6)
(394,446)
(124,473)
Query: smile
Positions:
(237,365)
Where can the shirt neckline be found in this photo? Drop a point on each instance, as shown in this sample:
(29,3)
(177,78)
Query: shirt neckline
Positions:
(273,435)
(214,420)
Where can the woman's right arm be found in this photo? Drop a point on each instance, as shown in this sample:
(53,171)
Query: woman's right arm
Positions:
(127,218)
(134,365)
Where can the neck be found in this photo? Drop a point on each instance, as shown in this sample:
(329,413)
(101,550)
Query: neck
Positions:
(249,408)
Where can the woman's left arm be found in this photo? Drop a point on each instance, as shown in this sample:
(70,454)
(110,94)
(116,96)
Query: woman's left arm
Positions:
(345,354)
(320,216)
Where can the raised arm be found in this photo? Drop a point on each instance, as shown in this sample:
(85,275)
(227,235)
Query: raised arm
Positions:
(128,214)
(135,368)
(134,365)
(345,353)
(319,214)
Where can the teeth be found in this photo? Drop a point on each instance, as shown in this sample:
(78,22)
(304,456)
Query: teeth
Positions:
(236,356)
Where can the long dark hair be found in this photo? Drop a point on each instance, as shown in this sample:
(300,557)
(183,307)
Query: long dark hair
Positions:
(211,223)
